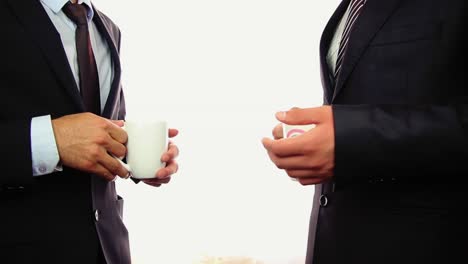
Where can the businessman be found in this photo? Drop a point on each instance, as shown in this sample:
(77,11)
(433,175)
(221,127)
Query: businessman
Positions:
(388,153)
(62,110)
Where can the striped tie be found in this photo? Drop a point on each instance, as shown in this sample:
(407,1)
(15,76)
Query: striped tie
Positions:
(355,10)
(89,79)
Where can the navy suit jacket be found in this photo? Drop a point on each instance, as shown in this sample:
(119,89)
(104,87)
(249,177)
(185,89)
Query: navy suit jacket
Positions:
(67,216)
(400,107)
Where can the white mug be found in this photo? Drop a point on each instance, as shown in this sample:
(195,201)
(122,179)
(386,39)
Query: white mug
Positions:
(295,130)
(147,142)
(290,131)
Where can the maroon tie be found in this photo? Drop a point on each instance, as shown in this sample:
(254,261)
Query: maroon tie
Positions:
(89,80)
(355,10)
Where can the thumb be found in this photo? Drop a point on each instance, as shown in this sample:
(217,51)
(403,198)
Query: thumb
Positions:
(301,116)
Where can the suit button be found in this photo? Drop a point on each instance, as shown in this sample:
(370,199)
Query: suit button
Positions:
(96,215)
(42,169)
(323,200)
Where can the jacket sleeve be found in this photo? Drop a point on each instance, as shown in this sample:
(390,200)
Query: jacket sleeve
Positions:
(15,154)
(413,142)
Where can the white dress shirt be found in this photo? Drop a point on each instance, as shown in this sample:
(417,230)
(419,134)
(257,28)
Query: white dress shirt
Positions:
(45,157)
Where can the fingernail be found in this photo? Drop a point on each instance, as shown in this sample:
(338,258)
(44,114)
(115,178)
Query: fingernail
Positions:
(281,115)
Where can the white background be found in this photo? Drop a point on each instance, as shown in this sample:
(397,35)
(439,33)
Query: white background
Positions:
(218,70)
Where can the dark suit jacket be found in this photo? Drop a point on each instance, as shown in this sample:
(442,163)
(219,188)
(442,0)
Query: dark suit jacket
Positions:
(400,110)
(50,219)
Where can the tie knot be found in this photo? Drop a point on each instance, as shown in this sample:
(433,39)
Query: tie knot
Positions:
(77,13)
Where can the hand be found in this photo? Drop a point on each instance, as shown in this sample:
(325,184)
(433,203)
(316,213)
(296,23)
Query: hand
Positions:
(310,157)
(86,142)
(163,176)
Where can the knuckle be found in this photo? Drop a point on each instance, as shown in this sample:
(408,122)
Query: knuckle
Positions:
(94,152)
(102,123)
(101,139)
(120,151)
(124,138)
(89,165)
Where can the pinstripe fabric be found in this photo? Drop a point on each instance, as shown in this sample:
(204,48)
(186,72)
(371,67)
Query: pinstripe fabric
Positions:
(355,10)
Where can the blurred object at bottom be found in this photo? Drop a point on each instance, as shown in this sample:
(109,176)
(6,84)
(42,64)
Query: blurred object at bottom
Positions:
(228,260)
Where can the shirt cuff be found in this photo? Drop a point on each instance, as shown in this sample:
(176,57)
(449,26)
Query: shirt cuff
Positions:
(45,157)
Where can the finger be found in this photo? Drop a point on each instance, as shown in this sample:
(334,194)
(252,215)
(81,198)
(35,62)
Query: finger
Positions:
(115,148)
(154,184)
(299,116)
(276,160)
(113,166)
(267,143)
(119,123)
(288,147)
(117,133)
(102,172)
(157,182)
(304,173)
(173,132)
(171,168)
(278,131)
(310,181)
(171,153)
(294,162)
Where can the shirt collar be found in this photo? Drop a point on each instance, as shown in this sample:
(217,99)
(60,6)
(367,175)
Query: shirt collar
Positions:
(56,6)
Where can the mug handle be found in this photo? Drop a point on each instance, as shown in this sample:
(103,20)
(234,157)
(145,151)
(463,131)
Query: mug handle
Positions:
(125,165)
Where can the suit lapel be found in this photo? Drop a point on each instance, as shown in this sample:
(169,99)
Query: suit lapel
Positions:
(325,41)
(373,16)
(37,23)
(106,30)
